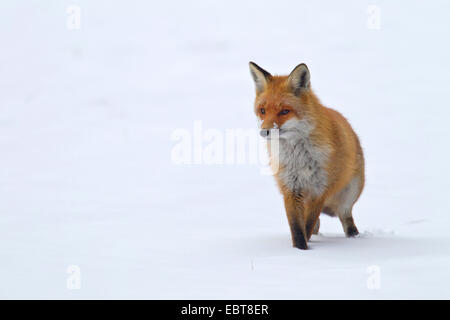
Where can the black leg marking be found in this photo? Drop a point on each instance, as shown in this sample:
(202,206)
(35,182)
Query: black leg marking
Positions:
(352,231)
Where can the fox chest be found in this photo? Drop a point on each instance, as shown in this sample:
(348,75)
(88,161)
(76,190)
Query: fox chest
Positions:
(302,166)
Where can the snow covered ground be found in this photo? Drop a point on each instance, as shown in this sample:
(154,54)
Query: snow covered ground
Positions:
(87,180)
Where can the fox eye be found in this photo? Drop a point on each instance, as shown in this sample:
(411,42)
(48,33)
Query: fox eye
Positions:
(263,111)
(284,112)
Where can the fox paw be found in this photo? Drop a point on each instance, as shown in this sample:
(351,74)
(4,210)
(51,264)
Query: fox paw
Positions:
(301,246)
(352,232)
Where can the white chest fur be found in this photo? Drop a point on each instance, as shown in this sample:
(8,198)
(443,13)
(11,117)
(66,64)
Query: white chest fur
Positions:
(302,164)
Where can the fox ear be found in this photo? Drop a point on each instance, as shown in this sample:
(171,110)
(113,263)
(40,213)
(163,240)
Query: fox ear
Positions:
(260,76)
(299,79)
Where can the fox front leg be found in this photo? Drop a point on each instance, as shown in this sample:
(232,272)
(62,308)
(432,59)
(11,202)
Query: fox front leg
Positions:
(295,213)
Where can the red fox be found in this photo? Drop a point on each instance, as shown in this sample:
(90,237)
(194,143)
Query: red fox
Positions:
(321,163)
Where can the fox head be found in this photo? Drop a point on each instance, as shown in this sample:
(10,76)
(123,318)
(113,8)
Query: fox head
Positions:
(282,102)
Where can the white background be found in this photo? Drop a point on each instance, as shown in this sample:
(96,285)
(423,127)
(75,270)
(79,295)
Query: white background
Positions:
(86,176)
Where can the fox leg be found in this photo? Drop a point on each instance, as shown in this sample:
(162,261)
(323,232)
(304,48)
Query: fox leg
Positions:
(346,218)
(347,197)
(348,224)
(312,219)
(316,227)
(295,213)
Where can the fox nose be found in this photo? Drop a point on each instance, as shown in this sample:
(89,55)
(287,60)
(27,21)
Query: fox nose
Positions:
(264,133)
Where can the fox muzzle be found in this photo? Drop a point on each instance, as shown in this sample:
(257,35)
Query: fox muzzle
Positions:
(264,133)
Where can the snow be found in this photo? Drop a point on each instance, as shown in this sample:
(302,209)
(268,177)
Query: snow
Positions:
(87,180)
